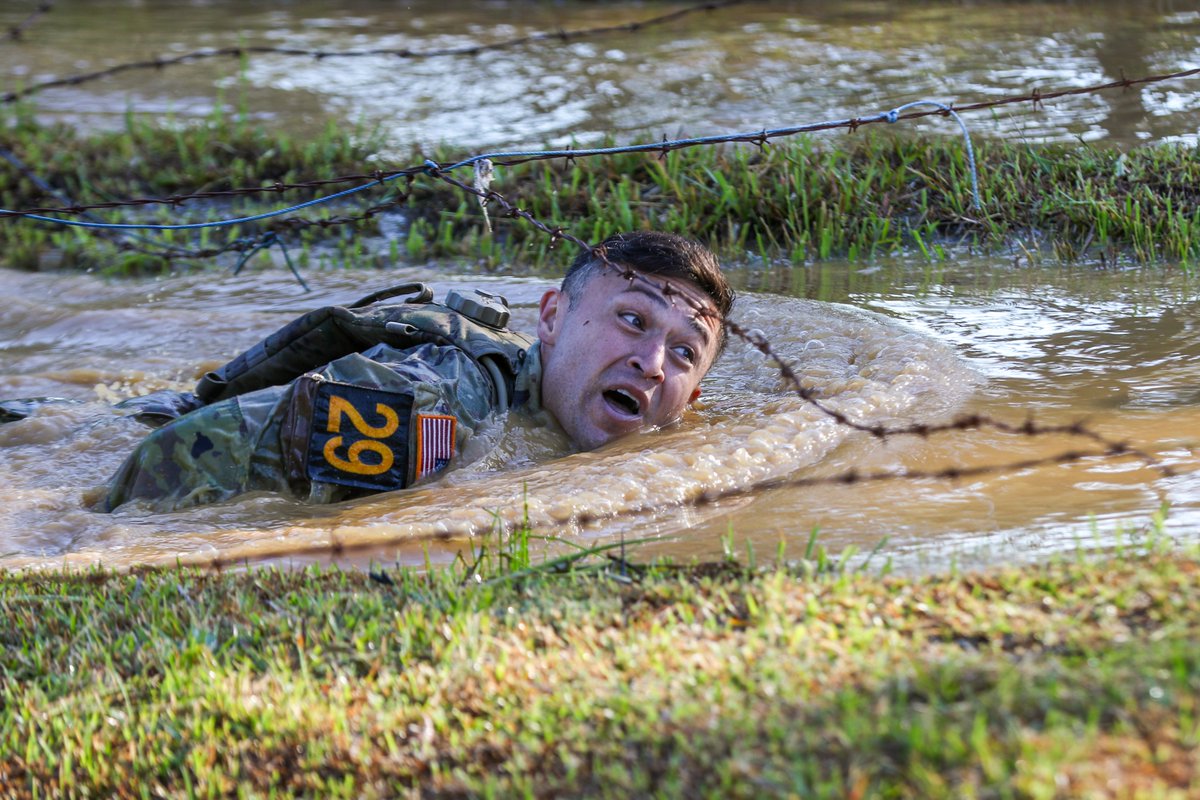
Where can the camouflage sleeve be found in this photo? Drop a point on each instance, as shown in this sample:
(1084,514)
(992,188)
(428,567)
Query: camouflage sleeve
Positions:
(203,457)
(376,421)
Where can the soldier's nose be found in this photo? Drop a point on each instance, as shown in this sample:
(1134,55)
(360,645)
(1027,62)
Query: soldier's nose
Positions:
(649,362)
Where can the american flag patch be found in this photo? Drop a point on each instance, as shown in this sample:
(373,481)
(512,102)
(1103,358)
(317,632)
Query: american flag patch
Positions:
(435,442)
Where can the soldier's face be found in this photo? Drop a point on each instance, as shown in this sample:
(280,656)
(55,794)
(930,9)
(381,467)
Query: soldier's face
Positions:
(625,356)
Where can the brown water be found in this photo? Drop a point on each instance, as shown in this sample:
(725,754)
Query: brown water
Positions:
(762,64)
(893,342)
(903,342)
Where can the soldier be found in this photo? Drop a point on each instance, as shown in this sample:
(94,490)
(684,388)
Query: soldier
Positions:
(621,347)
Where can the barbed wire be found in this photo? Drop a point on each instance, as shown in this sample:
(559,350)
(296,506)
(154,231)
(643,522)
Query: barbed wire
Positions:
(274,227)
(759,342)
(248,246)
(1107,448)
(337,547)
(1038,97)
(161,62)
(924,431)
(760,137)
(294,224)
(16,32)
(128,241)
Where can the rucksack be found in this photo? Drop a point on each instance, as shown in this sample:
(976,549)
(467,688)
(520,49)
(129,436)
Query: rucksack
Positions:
(474,321)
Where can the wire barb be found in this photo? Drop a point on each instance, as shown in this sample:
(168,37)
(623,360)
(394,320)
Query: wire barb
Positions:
(484,172)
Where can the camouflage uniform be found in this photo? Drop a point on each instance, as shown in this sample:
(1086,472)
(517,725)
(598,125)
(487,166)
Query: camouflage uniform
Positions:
(381,419)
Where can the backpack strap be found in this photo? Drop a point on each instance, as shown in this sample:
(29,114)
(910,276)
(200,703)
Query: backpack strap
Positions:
(325,334)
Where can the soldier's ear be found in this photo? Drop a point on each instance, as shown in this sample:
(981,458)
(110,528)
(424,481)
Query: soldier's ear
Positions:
(695,395)
(550,312)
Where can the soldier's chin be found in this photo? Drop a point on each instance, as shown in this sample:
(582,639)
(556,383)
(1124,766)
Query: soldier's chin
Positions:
(592,440)
(592,437)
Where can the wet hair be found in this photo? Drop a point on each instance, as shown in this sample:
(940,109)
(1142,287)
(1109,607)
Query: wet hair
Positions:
(664,255)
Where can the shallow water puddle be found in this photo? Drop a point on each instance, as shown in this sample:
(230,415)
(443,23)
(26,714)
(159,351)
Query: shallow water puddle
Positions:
(1119,351)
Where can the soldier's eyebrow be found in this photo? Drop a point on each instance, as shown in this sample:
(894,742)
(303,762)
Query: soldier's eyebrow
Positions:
(693,320)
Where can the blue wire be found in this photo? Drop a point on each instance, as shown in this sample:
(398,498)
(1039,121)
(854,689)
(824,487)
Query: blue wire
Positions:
(765,133)
(894,115)
(221,223)
(24,169)
(432,166)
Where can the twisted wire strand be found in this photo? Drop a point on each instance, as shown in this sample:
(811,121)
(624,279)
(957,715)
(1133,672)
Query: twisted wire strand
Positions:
(759,137)
(507,157)
(759,342)
(17,32)
(129,240)
(337,547)
(405,53)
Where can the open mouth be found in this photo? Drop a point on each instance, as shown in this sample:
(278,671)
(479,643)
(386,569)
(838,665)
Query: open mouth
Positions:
(624,401)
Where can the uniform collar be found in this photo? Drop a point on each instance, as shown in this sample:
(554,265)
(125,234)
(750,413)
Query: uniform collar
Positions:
(527,402)
(527,388)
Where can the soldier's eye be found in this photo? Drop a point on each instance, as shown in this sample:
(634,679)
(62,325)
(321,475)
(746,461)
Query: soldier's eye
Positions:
(686,353)
(633,319)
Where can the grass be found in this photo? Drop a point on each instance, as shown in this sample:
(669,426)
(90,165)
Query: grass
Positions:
(597,677)
(159,160)
(799,200)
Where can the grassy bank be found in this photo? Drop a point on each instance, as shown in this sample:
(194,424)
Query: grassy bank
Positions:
(1078,679)
(855,196)
(148,160)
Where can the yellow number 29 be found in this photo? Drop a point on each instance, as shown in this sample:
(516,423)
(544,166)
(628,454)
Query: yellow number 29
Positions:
(339,406)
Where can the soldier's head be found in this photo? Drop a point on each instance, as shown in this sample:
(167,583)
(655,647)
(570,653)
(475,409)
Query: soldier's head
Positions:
(628,336)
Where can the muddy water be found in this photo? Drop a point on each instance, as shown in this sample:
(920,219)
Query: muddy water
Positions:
(744,68)
(898,344)
(893,342)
